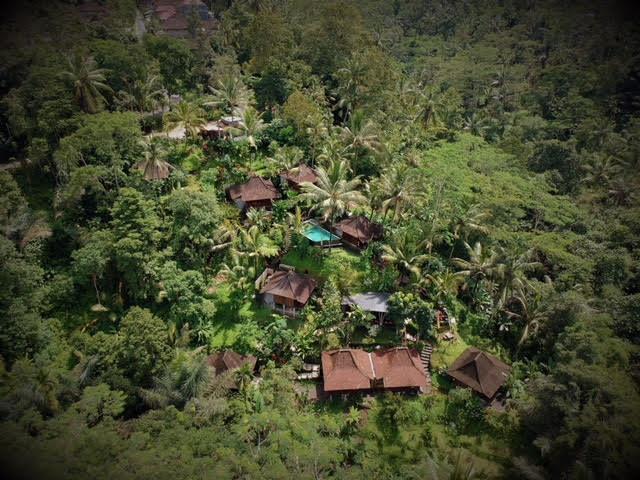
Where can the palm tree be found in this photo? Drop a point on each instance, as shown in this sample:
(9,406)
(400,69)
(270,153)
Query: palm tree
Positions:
(251,125)
(530,312)
(230,95)
(430,108)
(403,253)
(88,82)
(257,245)
(348,90)
(470,222)
(238,274)
(510,273)
(621,192)
(186,377)
(333,194)
(143,95)
(185,115)
(481,264)
(445,285)
(600,170)
(360,135)
(398,186)
(154,167)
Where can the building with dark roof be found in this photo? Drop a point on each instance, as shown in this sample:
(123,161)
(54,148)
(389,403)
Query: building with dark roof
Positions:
(296,176)
(398,369)
(230,360)
(256,192)
(480,371)
(358,231)
(287,291)
(372,302)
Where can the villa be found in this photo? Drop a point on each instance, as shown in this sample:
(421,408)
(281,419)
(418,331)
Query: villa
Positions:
(349,371)
(296,176)
(255,193)
(358,231)
(286,291)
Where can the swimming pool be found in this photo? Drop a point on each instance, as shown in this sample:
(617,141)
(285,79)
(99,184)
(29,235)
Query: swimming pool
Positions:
(317,234)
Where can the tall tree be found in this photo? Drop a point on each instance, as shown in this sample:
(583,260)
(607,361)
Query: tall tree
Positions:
(88,82)
(333,194)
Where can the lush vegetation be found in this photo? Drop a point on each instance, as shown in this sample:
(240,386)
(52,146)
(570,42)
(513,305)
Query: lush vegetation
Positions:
(497,142)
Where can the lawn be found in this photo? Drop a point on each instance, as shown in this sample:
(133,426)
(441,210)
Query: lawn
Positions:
(227,319)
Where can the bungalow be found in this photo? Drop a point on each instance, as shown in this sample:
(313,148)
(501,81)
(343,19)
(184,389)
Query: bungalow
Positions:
(480,371)
(214,130)
(256,192)
(376,303)
(358,231)
(287,291)
(399,369)
(296,176)
(229,361)
(178,17)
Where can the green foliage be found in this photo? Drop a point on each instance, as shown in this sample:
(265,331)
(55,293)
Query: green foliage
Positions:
(143,346)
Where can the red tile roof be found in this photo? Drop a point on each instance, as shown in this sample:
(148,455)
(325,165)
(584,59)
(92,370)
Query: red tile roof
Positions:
(292,285)
(480,371)
(352,369)
(256,189)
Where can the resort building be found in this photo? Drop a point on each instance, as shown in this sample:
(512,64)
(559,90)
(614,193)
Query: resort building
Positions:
(229,361)
(399,369)
(480,371)
(358,231)
(286,291)
(296,176)
(181,18)
(372,302)
(256,192)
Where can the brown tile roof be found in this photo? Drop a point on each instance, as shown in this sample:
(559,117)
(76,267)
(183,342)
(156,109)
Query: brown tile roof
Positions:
(347,369)
(480,371)
(361,228)
(255,189)
(303,173)
(292,285)
(351,369)
(230,360)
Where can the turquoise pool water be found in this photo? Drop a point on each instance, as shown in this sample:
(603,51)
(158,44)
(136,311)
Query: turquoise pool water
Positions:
(317,234)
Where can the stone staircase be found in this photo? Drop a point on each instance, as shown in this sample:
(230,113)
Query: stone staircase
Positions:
(425,357)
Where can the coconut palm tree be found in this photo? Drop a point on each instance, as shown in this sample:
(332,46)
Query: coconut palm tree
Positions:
(361,136)
(185,115)
(511,272)
(430,108)
(529,311)
(445,285)
(405,255)
(257,245)
(88,82)
(480,266)
(154,166)
(472,221)
(239,274)
(348,90)
(230,95)
(251,125)
(333,193)
(399,185)
(600,170)
(143,95)
(187,376)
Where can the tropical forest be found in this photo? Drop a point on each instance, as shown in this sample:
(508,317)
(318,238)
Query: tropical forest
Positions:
(332,239)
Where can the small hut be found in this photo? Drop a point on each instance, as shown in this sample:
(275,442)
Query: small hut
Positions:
(358,231)
(255,193)
(480,371)
(296,176)
(287,291)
